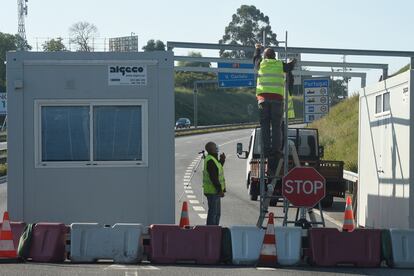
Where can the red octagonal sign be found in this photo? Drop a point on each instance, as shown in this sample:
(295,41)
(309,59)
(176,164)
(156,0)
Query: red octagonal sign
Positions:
(303,187)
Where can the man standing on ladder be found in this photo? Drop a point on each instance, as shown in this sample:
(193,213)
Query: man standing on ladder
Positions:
(270,95)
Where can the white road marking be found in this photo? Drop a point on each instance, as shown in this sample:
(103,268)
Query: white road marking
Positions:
(194,201)
(199,208)
(188,173)
(266,268)
(231,141)
(188,187)
(191,196)
(131,273)
(189,191)
(189,170)
(328,217)
(203,216)
(187,177)
(131,267)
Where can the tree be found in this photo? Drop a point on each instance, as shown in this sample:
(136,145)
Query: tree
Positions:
(54,45)
(154,45)
(246,28)
(8,42)
(194,63)
(82,34)
(186,79)
(22,44)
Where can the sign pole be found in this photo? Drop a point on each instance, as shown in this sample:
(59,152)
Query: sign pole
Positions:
(195,106)
(262,172)
(286,128)
(286,146)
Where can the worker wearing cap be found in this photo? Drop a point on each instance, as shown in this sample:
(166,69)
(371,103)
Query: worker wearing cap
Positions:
(270,97)
(214,184)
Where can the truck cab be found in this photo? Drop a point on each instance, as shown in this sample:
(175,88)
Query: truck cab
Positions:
(306,141)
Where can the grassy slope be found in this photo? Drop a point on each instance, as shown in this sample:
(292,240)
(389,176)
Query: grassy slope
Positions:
(222,106)
(217,106)
(339,133)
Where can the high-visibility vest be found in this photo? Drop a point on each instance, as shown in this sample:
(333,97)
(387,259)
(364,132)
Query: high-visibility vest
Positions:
(271,78)
(291,110)
(208,186)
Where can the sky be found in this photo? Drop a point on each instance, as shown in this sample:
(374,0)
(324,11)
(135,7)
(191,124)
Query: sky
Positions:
(350,24)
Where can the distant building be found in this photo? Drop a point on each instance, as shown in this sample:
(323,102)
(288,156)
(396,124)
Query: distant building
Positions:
(124,44)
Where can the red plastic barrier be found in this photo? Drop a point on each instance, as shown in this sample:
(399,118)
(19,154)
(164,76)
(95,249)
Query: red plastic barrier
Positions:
(17,230)
(48,242)
(171,244)
(330,247)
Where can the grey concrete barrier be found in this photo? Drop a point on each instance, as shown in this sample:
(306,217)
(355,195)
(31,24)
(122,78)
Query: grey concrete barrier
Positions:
(121,243)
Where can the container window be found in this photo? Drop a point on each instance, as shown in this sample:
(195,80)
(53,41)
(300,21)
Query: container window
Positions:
(117,133)
(378,105)
(386,102)
(77,133)
(65,133)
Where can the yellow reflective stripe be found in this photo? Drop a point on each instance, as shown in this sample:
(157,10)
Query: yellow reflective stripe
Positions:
(272,79)
(271,75)
(277,84)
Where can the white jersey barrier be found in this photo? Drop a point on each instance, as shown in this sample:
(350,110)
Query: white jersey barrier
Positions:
(402,242)
(122,242)
(247,241)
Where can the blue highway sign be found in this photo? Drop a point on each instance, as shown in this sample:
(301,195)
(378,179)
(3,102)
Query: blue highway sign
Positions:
(229,80)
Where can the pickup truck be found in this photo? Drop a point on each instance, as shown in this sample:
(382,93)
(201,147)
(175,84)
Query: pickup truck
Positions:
(310,153)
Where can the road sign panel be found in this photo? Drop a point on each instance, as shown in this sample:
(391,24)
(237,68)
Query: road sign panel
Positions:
(304,187)
(3,103)
(316,98)
(226,80)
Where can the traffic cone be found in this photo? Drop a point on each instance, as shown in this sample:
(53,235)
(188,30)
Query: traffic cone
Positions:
(268,255)
(184,220)
(7,249)
(349,224)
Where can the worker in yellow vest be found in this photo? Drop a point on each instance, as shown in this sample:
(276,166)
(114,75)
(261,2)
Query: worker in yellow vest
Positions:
(214,184)
(270,96)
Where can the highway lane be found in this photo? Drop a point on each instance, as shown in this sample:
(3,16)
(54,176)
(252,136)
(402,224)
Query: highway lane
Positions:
(237,208)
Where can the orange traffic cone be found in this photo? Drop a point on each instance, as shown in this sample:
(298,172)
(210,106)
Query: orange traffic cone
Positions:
(7,250)
(184,220)
(349,224)
(268,255)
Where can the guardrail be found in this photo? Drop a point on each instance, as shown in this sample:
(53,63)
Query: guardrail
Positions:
(350,176)
(351,179)
(217,128)
(352,187)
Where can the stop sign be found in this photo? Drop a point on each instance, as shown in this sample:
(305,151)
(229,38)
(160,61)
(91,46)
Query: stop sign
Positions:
(303,187)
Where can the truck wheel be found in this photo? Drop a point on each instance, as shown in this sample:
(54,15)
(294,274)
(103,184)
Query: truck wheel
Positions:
(253,197)
(327,202)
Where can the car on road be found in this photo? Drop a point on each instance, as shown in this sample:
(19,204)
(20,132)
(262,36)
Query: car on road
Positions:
(306,141)
(183,123)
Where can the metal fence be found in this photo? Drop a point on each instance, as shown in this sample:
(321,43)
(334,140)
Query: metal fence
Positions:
(98,44)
